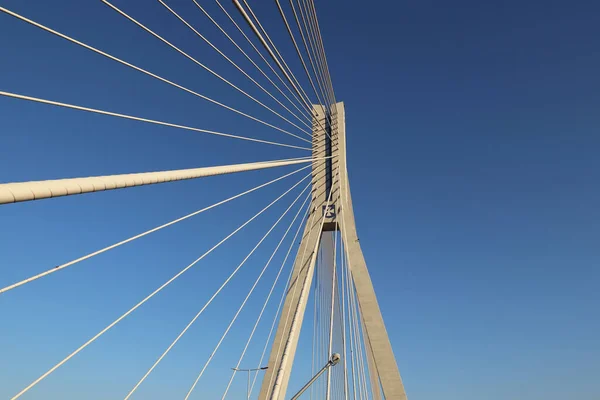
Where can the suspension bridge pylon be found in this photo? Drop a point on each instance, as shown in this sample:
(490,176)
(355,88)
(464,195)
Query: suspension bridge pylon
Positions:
(330,210)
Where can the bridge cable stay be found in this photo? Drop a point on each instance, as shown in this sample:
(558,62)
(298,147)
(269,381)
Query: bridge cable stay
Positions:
(135,237)
(360,349)
(318,51)
(343,278)
(72,40)
(333,332)
(292,92)
(310,49)
(311,33)
(323,264)
(347,317)
(358,341)
(357,348)
(332,335)
(313,365)
(279,57)
(289,29)
(282,13)
(288,314)
(295,319)
(333,338)
(241,50)
(264,306)
(325,96)
(215,294)
(331,315)
(322,46)
(140,119)
(156,35)
(328,335)
(342,379)
(186,23)
(313,223)
(284,323)
(325,267)
(242,305)
(305,39)
(339,389)
(352,351)
(357,383)
(156,291)
(315,33)
(280,63)
(266,302)
(317,329)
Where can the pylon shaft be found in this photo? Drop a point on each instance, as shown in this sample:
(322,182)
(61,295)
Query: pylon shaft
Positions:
(331,209)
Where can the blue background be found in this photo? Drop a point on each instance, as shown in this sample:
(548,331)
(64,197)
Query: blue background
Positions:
(473,140)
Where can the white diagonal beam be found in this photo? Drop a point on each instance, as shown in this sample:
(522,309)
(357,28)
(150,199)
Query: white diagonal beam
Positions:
(35,190)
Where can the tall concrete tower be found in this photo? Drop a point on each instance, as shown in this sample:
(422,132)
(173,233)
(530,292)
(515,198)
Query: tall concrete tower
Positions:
(331,209)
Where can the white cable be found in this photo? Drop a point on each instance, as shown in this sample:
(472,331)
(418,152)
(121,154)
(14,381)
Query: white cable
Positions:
(356,345)
(314,360)
(330,347)
(295,320)
(320,274)
(269,50)
(300,225)
(70,39)
(356,352)
(261,56)
(317,48)
(156,35)
(251,60)
(343,316)
(36,190)
(151,295)
(243,304)
(314,47)
(361,343)
(97,252)
(241,70)
(351,331)
(369,373)
(312,34)
(289,29)
(283,296)
(134,118)
(348,290)
(281,301)
(318,297)
(320,37)
(320,46)
(188,326)
(341,377)
(280,57)
(308,45)
(320,356)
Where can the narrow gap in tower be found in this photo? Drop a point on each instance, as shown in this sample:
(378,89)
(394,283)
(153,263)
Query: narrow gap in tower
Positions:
(328,160)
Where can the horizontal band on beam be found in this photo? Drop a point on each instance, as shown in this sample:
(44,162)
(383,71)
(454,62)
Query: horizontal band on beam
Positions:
(36,190)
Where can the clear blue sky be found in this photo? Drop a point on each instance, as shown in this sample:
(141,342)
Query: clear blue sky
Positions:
(473,141)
